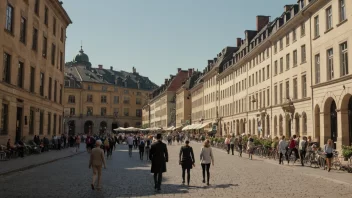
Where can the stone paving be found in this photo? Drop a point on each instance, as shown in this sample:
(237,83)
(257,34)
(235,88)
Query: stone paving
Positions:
(37,159)
(231,176)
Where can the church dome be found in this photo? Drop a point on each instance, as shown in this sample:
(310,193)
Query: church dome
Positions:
(81,57)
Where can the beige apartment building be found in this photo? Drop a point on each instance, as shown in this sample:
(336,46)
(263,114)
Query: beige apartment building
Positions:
(146,116)
(32,44)
(99,99)
(197,105)
(163,100)
(184,99)
(291,75)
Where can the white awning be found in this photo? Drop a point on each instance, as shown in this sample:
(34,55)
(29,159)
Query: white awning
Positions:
(120,129)
(203,125)
(185,128)
(170,128)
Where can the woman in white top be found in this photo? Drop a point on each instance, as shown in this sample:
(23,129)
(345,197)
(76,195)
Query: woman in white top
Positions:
(282,149)
(328,150)
(206,157)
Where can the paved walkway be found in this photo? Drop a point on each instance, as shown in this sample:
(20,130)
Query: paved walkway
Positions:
(33,160)
(231,176)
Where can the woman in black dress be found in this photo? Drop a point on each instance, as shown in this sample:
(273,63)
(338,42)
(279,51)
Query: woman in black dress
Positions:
(186,161)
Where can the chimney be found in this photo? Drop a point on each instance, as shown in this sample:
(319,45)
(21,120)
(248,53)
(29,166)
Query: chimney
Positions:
(178,69)
(100,66)
(287,7)
(190,72)
(210,62)
(239,42)
(111,68)
(262,21)
(134,70)
(166,80)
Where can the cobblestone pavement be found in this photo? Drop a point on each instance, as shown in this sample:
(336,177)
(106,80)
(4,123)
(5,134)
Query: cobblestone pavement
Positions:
(36,159)
(231,176)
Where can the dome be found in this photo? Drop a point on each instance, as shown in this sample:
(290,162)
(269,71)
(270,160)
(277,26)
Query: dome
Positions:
(81,57)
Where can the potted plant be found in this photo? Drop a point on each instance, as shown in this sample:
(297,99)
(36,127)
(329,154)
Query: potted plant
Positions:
(346,152)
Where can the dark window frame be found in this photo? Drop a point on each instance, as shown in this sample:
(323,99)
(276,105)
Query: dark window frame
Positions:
(7,68)
(42,80)
(9,23)
(32,80)
(20,74)
(23,30)
(35,39)
(4,122)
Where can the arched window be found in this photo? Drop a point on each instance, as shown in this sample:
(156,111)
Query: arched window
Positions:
(281,128)
(297,124)
(304,122)
(275,126)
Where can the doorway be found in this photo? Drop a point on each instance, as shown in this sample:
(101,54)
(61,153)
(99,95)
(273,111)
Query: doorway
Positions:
(19,125)
(333,120)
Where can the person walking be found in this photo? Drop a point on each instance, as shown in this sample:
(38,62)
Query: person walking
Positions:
(130,143)
(78,142)
(141,149)
(250,147)
(240,142)
(159,156)
(186,160)
(206,157)
(227,143)
(147,146)
(328,151)
(232,143)
(282,149)
(302,149)
(96,162)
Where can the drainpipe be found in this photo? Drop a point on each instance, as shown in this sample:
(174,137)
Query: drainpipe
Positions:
(271,86)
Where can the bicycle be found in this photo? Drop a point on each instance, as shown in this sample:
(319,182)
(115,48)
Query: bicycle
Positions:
(336,163)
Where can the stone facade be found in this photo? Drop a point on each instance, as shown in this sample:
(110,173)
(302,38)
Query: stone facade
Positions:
(289,76)
(32,56)
(98,99)
(163,100)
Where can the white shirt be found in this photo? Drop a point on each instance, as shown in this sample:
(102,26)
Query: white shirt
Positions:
(302,144)
(206,155)
(129,140)
(282,146)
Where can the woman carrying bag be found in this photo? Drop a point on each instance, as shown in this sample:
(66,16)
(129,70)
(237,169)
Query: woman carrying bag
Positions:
(186,161)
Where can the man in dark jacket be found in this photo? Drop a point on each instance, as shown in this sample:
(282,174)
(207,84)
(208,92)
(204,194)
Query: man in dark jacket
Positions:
(159,156)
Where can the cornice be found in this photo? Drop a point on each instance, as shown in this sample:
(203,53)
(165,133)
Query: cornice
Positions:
(61,11)
(284,29)
(330,82)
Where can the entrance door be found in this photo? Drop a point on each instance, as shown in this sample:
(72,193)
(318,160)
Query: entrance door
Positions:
(333,117)
(19,123)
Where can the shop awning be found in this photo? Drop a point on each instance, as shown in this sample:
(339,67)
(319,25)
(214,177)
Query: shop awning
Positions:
(203,125)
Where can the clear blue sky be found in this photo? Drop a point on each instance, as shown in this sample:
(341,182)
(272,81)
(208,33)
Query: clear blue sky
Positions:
(159,36)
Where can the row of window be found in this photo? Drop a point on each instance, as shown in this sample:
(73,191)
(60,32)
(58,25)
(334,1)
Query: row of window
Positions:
(4,122)
(103,112)
(329,18)
(103,99)
(9,27)
(8,69)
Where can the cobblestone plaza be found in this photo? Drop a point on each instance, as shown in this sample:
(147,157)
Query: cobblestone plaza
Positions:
(129,177)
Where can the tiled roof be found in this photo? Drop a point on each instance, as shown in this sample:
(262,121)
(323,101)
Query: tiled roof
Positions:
(109,76)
